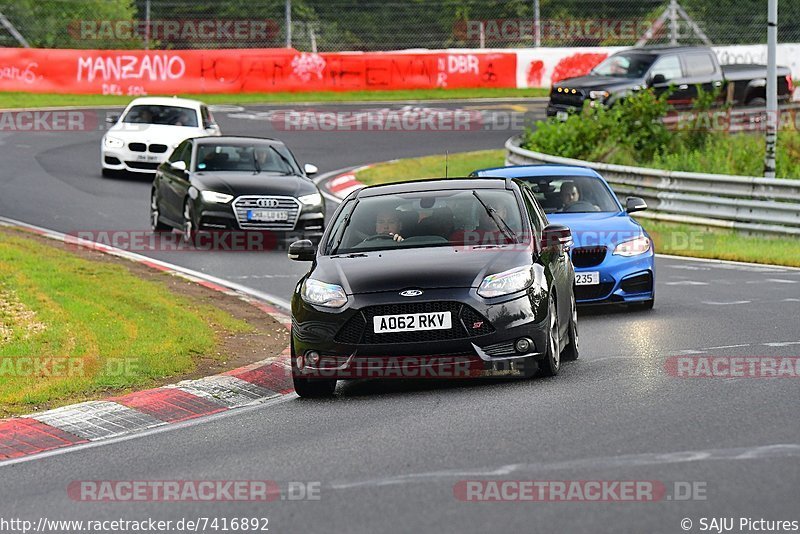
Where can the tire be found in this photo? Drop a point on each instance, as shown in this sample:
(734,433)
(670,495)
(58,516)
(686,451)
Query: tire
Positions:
(155,224)
(189,224)
(570,352)
(311,388)
(551,363)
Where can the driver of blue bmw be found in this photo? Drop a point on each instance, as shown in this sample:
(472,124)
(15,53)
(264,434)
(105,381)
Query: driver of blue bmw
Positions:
(569,194)
(388,223)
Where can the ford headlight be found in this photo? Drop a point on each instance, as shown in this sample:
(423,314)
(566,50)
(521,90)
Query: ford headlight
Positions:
(314,199)
(213,196)
(323,294)
(505,283)
(633,247)
(113,142)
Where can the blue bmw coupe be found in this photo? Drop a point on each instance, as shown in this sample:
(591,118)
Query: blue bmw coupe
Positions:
(612,253)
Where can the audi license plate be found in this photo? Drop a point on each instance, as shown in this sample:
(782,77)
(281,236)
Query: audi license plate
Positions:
(591,278)
(411,322)
(267,215)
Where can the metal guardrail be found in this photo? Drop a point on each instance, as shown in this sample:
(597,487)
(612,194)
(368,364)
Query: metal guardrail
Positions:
(749,203)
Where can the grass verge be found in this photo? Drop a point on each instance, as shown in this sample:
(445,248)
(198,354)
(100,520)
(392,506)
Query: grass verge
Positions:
(669,238)
(403,170)
(72,328)
(31,100)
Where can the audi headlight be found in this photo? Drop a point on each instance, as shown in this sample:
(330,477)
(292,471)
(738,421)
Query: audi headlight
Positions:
(633,247)
(598,95)
(314,199)
(505,283)
(213,196)
(323,294)
(113,142)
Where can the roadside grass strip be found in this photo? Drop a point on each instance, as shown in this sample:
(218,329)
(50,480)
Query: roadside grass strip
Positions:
(27,315)
(73,328)
(403,170)
(668,238)
(12,100)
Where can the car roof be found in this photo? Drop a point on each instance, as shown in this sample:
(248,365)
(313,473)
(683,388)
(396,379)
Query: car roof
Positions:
(165,101)
(663,49)
(534,171)
(236,140)
(433,184)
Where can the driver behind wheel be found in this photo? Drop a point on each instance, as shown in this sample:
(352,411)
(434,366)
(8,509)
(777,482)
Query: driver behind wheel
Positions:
(388,223)
(569,195)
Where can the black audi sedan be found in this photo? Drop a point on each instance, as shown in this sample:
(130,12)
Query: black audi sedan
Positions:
(219,184)
(434,278)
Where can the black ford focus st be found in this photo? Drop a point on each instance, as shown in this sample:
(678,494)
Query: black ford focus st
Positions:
(434,278)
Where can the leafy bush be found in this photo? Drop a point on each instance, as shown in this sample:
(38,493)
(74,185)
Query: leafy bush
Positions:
(633,132)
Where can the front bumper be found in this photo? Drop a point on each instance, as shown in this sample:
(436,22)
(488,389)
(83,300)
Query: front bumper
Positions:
(220,217)
(480,343)
(622,280)
(123,159)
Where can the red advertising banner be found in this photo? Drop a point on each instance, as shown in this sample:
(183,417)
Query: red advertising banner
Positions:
(139,72)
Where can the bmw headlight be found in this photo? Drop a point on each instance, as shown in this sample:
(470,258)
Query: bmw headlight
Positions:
(113,142)
(633,247)
(323,294)
(213,196)
(314,199)
(505,283)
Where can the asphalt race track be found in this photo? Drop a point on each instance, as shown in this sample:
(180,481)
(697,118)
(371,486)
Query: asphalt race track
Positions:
(388,455)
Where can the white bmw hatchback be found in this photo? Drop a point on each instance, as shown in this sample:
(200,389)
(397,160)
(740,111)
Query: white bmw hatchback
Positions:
(149,129)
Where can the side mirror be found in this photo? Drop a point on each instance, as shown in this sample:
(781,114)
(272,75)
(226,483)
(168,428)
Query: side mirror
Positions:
(310,169)
(213,127)
(112,119)
(556,235)
(658,79)
(303,250)
(179,166)
(635,204)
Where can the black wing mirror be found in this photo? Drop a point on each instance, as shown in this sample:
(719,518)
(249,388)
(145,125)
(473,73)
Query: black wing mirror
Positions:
(112,119)
(658,79)
(303,250)
(556,235)
(635,204)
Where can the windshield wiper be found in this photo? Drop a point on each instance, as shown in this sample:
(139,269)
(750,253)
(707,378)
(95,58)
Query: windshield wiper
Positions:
(501,224)
(256,164)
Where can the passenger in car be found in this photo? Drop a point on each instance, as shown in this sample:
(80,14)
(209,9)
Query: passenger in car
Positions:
(486,233)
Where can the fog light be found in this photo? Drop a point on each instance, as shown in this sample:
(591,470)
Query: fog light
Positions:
(523,345)
(312,357)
